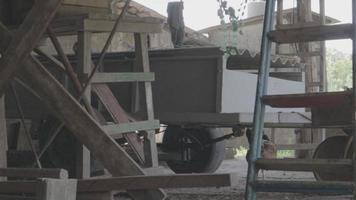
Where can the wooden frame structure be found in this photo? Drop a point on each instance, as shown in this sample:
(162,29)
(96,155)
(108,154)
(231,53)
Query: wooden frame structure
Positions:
(16,62)
(60,102)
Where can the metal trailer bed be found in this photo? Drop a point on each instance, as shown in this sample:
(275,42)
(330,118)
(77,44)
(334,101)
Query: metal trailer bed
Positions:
(193,94)
(193,87)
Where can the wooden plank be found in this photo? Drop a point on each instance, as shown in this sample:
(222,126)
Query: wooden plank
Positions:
(326,99)
(309,54)
(143,62)
(305,187)
(83,169)
(3,136)
(89,3)
(123,77)
(116,130)
(70,25)
(51,58)
(162,181)
(79,122)
(119,116)
(94,25)
(309,34)
(56,189)
(304,164)
(33,173)
(297,25)
(26,38)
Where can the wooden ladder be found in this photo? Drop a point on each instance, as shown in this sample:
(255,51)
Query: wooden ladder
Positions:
(323,100)
(124,126)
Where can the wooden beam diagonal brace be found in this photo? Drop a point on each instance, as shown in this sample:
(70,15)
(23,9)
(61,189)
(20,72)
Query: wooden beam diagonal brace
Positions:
(26,38)
(79,122)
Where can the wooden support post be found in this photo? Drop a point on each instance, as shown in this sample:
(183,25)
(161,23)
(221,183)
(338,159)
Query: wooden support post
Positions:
(25,39)
(323,71)
(304,16)
(57,189)
(3,136)
(279,21)
(142,61)
(85,62)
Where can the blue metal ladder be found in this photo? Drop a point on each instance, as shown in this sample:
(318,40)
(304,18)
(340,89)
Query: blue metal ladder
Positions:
(256,163)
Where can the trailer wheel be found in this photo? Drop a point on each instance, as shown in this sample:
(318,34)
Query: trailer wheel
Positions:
(333,148)
(198,154)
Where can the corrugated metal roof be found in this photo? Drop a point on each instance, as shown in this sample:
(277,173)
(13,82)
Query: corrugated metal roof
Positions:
(245,59)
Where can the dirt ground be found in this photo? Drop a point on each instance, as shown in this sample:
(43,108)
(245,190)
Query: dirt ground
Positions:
(239,166)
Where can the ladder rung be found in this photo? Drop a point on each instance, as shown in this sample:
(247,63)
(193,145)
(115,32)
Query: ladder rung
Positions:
(116,130)
(326,99)
(309,34)
(308,54)
(306,146)
(304,164)
(330,188)
(297,25)
(275,70)
(123,77)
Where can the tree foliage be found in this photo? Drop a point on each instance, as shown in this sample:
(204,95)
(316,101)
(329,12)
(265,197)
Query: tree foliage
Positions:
(339,70)
(233,15)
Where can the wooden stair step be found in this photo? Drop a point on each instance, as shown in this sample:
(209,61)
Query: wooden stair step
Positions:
(321,187)
(326,99)
(303,164)
(309,34)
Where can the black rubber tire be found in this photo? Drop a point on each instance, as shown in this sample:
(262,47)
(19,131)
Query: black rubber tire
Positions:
(333,148)
(205,159)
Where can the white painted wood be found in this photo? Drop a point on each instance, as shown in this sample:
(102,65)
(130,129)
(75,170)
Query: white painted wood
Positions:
(57,189)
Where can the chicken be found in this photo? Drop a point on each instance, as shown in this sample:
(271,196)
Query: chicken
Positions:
(269,149)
